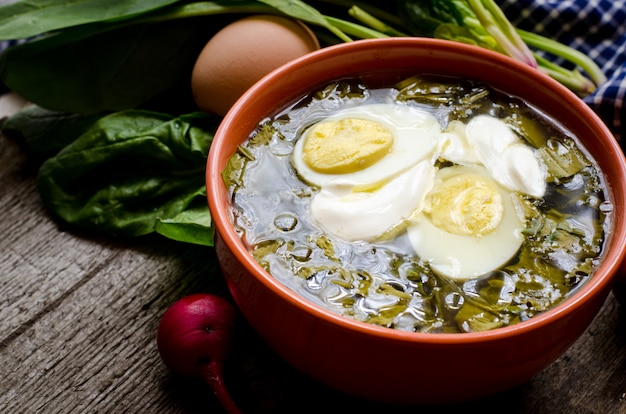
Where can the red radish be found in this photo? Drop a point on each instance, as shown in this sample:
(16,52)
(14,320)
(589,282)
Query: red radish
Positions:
(194,338)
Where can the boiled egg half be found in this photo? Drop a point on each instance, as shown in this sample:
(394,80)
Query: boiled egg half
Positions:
(374,165)
(365,145)
(469,225)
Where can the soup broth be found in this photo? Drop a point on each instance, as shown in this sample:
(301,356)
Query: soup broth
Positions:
(396,273)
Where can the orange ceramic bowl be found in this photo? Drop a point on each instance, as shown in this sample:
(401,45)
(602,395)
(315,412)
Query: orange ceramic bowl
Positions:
(385,364)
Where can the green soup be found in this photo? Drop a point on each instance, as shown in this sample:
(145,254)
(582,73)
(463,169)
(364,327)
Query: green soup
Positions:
(385,280)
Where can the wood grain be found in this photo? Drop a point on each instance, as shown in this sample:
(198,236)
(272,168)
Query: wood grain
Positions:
(79,314)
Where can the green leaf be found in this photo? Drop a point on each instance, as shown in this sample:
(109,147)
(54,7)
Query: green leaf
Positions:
(86,70)
(128,171)
(473,318)
(423,17)
(24,19)
(192,225)
(45,132)
(563,160)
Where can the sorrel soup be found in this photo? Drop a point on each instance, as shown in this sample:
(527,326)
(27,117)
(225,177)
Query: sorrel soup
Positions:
(430,205)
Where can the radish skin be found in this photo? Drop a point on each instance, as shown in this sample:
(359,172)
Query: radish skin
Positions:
(194,339)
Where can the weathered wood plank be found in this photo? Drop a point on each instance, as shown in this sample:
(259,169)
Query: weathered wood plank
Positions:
(97,344)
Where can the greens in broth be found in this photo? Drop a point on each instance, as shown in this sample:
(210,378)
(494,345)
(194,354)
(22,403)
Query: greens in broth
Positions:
(377,282)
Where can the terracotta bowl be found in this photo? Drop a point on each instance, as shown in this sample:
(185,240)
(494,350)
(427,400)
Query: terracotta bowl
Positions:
(385,364)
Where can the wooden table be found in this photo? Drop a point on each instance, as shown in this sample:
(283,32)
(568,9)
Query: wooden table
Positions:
(79,315)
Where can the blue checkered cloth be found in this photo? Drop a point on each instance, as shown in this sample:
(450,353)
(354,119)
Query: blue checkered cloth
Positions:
(595,27)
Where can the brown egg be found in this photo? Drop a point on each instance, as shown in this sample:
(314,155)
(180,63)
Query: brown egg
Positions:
(242,53)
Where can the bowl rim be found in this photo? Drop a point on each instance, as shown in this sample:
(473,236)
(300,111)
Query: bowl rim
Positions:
(598,283)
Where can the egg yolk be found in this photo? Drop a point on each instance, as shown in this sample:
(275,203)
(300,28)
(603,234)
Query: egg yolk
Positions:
(345,146)
(467,205)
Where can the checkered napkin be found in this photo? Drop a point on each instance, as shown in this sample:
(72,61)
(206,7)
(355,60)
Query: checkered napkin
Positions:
(595,27)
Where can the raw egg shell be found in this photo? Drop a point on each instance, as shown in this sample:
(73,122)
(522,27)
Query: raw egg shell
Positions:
(242,53)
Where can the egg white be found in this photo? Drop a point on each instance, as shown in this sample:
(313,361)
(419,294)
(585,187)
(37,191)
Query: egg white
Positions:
(371,215)
(462,257)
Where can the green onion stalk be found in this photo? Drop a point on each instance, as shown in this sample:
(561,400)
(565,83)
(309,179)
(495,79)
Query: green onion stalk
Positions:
(483,23)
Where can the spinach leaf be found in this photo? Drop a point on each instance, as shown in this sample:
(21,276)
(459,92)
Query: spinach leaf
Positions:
(192,225)
(119,65)
(112,70)
(24,19)
(44,132)
(134,171)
